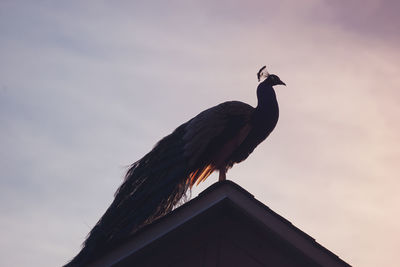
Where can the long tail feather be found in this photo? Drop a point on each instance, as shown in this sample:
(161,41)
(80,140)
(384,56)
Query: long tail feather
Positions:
(152,186)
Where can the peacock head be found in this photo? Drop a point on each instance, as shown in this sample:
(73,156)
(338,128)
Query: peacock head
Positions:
(272,79)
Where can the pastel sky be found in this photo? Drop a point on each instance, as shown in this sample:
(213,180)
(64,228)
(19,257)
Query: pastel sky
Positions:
(88,87)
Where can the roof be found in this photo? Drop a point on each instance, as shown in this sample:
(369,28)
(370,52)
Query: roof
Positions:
(222,197)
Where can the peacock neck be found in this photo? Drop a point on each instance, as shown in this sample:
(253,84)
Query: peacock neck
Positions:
(266,98)
(267,110)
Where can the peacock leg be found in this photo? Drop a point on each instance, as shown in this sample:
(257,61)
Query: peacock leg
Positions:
(222,175)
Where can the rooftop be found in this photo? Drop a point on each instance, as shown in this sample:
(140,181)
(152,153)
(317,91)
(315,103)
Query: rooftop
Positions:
(220,212)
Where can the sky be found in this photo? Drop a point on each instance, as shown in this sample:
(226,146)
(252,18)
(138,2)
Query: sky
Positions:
(88,87)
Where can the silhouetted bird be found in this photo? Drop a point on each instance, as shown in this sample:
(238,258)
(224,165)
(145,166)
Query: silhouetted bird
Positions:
(215,139)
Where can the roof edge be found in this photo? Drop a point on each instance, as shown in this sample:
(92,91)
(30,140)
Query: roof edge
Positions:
(210,197)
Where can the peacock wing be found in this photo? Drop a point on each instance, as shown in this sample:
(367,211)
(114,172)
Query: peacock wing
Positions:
(213,134)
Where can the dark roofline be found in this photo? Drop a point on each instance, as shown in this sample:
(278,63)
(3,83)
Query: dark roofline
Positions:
(210,197)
